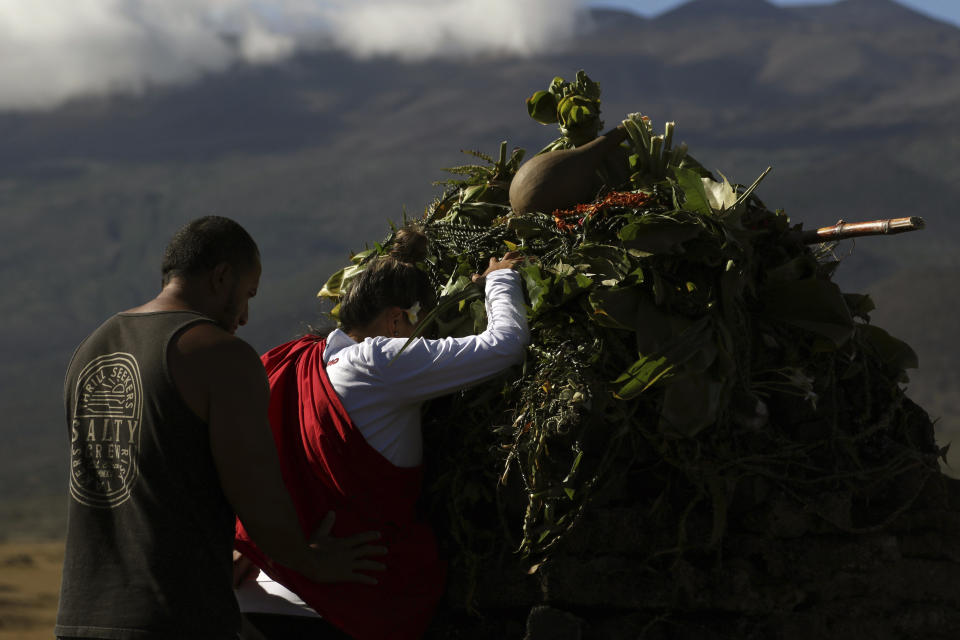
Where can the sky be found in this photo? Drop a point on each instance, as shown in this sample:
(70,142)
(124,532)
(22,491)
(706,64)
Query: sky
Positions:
(946,10)
(52,51)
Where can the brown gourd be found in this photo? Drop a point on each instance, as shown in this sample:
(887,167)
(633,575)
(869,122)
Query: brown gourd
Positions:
(565,178)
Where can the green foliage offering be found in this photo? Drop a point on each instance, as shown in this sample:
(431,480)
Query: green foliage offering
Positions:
(682,333)
(575,106)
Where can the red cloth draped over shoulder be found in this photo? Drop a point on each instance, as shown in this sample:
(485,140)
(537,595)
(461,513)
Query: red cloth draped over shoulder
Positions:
(327,464)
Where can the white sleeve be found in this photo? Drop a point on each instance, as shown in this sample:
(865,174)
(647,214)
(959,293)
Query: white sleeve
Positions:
(430,368)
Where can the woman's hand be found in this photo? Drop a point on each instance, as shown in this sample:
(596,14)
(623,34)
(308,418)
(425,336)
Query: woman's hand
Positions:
(509,261)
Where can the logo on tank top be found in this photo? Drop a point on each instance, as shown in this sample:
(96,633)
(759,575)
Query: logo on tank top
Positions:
(105,431)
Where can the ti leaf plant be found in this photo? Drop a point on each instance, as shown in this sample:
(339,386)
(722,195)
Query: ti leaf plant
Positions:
(677,324)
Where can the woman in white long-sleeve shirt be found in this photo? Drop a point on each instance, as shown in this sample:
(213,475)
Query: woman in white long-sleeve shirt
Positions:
(376,391)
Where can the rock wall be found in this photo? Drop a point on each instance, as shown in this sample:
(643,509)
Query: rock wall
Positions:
(841,568)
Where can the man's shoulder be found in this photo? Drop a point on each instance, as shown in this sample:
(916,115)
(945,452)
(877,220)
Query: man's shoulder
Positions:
(211,348)
(209,366)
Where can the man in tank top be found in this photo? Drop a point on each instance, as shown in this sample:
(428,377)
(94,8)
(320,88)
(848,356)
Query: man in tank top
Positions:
(167,419)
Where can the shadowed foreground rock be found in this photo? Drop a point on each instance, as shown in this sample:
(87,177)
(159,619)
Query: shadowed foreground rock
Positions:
(848,568)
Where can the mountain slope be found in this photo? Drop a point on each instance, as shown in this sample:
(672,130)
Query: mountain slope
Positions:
(882,16)
(724,11)
(316,154)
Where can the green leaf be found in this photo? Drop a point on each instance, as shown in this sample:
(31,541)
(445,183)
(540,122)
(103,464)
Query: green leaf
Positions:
(538,285)
(572,286)
(361,256)
(529,225)
(641,375)
(474,193)
(800,268)
(695,196)
(639,133)
(542,107)
(720,195)
(586,86)
(458,326)
(691,403)
(576,110)
(331,289)
(338,283)
(616,307)
(576,463)
(894,352)
(654,236)
(860,305)
(694,346)
(681,341)
(455,285)
(812,304)
(478,313)
(655,327)
(603,262)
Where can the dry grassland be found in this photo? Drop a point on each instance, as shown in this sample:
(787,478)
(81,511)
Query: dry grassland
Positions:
(29,589)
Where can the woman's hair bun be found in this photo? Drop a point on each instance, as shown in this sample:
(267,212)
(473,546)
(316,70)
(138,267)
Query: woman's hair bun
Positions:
(409,246)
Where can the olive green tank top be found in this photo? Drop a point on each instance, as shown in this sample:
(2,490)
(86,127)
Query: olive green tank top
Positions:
(149,532)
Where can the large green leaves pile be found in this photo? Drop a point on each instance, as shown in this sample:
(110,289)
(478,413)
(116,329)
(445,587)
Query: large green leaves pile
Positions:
(679,326)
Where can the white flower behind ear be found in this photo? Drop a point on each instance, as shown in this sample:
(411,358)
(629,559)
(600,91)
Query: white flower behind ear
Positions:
(413,312)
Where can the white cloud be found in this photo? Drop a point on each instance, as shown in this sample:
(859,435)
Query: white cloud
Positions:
(55,50)
(428,28)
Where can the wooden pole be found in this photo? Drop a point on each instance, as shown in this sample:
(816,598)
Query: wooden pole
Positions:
(844,230)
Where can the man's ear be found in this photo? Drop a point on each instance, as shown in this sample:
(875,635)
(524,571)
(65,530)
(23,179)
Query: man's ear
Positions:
(221,276)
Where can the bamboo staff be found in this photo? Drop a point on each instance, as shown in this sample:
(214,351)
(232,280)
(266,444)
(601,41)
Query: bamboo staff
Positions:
(844,230)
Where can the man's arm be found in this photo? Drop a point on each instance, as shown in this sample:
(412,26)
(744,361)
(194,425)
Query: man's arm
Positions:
(233,384)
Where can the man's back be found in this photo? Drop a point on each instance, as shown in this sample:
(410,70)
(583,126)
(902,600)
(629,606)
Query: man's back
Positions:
(167,416)
(147,512)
